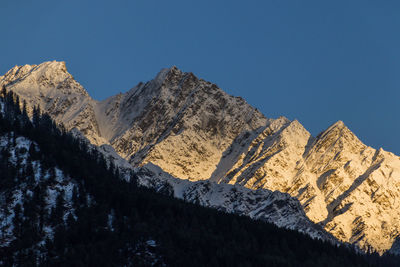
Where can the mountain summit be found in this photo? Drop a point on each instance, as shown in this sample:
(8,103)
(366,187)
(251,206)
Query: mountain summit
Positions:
(176,121)
(193,130)
(50,86)
(42,79)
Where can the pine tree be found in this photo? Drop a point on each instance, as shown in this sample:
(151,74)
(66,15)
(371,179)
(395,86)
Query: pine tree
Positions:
(58,211)
(17,221)
(36,116)
(3,92)
(52,176)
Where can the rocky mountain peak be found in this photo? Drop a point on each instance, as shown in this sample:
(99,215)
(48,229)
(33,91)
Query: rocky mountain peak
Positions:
(17,72)
(167,76)
(173,71)
(42,79)
(51,87)
(337,138)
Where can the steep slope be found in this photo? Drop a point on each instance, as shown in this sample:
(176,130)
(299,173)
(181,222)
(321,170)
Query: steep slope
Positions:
(45,206)
(176,121)
(169,121)
(347,187)
(51,87)
(195,131)
(273,207)
(56,211)
(127,122)
(30,180)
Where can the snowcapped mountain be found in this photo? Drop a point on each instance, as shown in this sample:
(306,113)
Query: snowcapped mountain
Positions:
(352,190)
(110,115)
(194,131)
(51,87)
(176,121)
(57,211)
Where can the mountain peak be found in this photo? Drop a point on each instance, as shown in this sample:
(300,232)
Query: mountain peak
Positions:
(18,72)
(42,79)
(339,133)
(164,74)
(50,69)
(335,129)
(54,66)
(174,69)
(337,126)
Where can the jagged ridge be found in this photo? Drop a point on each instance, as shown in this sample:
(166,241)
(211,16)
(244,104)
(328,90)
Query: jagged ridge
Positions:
(193,130)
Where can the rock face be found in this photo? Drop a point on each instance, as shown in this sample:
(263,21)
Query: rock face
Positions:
(178,122)
(51,87)
(194,131)
(352,190)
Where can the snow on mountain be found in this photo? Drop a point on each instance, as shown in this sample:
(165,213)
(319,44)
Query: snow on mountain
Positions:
(271,206)
(195,131)
(176,121)
(51,87)
(16,198)
(345,186)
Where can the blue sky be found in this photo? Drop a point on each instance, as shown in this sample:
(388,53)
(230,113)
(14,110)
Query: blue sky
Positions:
(315,61)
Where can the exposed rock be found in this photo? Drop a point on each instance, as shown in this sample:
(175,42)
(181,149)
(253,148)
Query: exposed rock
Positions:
(195,131)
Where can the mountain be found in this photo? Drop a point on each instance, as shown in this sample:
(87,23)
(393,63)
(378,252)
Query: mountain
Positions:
(194,131)
(57,211)
(51,87)
(345,186)
(176,121)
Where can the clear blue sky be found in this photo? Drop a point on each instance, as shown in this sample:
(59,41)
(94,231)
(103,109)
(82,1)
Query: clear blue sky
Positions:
(317,61)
